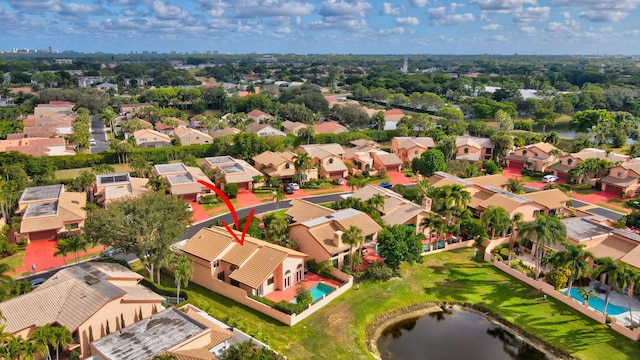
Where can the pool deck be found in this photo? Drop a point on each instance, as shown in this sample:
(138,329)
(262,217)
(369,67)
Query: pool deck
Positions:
(621,300)
(309,281)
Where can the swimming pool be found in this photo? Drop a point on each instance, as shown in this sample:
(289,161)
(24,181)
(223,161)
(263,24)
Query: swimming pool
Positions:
(598,304)
(317,292)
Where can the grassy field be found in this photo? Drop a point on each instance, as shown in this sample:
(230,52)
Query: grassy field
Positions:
(74,173)
(338,330)
(14,261)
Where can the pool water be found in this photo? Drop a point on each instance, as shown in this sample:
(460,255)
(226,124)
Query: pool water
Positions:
(317,292)
(598,304)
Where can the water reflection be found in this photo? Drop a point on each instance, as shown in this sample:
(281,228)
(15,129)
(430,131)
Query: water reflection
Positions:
(464,336)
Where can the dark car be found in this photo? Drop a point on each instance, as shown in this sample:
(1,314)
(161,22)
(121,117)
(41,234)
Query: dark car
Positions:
(386,185)
(288,189)
(37,282)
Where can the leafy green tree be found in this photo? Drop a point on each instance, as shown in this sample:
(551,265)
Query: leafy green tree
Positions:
(545,117)
(277,232)
(146,226)
(515,186)
(231,190)
(429,162)
(450,113)
(182,271)
(351,115)
(584,121)
(41,170)
(399,243)
(503,143)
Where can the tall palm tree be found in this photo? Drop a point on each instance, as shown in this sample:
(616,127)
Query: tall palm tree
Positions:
(612,270)
(40,338)
(6,281)
(75,244)
(586,294)
(516,220)
(574,258)
(62,249)
(628,278)
(352,237)
(434,222)
(60,338)
(103,169)
(302,164)
(156,183)
(515,186)
(279,196)
(498,219)
(377,201)
(182,272)
(543,231)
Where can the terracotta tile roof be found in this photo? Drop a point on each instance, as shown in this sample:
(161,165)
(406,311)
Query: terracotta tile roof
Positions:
(207,244)
(321,151)
(224,132)
(551,199)
(302,210)
(406,142)
(613,247)
(338,165)
(496,180)
(364,142)
(388,159)
(255,114)
(293,125)
(238,254)
(543,146)
(329,127)
(183,131)
(633,257)
(269,158)
(600,154)
(613,180)
(473,141)
(150,136)
(259,267)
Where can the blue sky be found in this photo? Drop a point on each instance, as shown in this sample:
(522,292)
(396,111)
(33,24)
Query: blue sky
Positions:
(333,26)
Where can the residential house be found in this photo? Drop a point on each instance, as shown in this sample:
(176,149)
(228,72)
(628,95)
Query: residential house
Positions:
(396,209)
(371,158)
(55,107)
(329,127)
(169,125)
(232,171)
(189,136)
(329,157)
(623,179)
(132,108)
(170,332)
(48,125)
(568,161)
(257,267)
(264,130)
(302,210)
(409,148)
(554,201)
(112,187)
(224,132)
(474,149)
(281,165)
(260,116)
(293,127)
(48,211)
(86,299)
(35,147)
(489,195)
(147,138)
(321,237)
(183,180)
(535,157)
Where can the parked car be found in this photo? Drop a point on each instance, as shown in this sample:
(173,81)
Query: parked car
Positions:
(92,142)
(288,189)
(549,178)
(295,186)
(111,252)
(189,207)
(386,185)
(37,282)
(338,181)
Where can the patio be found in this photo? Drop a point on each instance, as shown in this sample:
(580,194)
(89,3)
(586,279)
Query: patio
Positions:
(617,299)
(369,256)
(309,281)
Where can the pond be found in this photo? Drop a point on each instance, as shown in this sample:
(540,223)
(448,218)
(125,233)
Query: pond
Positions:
(453,334)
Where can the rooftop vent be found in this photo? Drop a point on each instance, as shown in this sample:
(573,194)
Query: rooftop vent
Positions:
(90,280)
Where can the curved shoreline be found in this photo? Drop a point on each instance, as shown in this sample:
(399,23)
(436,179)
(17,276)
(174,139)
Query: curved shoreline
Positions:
(375,329)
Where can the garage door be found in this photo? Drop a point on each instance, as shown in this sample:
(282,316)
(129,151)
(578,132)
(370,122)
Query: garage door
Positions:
(43,235)
(336,175)
(516,164)
(563,176)
(612,189)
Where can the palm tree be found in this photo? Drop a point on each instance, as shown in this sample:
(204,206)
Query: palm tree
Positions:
(634,150)
(543,231)
(156,183)
(6,281)
(353,237)
(586,294)
(377,201)
(515,186)
(62,249)
(182,273)
(552,138)
(612,270)
(629,277)
(302,164)
(434,222)
(574,258)
(40,338)
(498,219)
(60,338)
(75,244)
(103,169)
(354,182)
(278,196)
(515,223)
(240,351)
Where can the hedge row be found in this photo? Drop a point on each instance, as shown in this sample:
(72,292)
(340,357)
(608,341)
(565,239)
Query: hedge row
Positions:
(283,306)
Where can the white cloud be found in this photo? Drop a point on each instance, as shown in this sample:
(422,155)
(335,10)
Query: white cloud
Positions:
(129,12)
(603,16)
(447,16)
(353,8)
(390,9)
(392,31)
(165,11)
(531,14)
(528,30)
(491,27)
(339,23)
(411,21)
(74,9)
(419,3)
(283,30)
(215,8)
(500,38)
(36,6)
(501,5)
(267,8)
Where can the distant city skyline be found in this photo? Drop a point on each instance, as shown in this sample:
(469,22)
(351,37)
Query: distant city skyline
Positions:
(526,27)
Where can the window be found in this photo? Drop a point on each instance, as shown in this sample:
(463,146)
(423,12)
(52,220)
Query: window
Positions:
(235,283)
(216,263)
(221,276)
(619,174)
(488,151)
(197,137)
(71,226)
(186,138)
(299,272)
(331,161)
(143,139)
(287,166)
(155,138)
(233,267)
(524,152)
(569,161)
(466,150)
(368,166)
(287,279)
(335,263)
(270,281)
(416,152)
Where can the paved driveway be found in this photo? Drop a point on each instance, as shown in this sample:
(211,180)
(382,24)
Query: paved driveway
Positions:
(99,133)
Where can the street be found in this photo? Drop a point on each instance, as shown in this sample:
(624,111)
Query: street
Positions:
(99,133)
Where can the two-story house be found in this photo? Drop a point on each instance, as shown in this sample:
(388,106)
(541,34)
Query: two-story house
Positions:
(569,161)
(257,267)
(536,157)
(623,179)
(409,148)
(264,130)
(281,165)
(293,127)
(112,187)
(328,157)
(474,149)
(183,180)
(188,136)
(48,211)
(232,171)
(260,116)
(369,157)
(147,138)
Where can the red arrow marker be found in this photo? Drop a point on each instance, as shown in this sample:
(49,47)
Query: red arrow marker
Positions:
(232,209)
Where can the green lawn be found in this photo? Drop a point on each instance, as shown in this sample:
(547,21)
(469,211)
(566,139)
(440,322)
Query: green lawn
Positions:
(74,173)
(14,261)
(338,331)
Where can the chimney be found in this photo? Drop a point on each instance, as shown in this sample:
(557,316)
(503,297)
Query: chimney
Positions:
(426,203)
(337,238)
